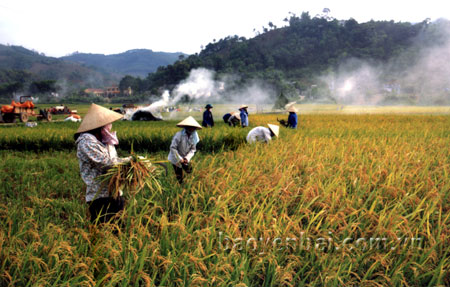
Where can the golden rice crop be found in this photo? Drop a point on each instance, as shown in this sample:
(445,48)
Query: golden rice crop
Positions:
(261,215)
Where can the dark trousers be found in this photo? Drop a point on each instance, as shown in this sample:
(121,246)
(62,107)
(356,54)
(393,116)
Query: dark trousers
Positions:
(179,171)
(105,208)
(233,122)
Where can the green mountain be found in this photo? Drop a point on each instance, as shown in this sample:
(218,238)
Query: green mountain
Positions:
(296,58)
(24,71)
(138,62)
(20,65)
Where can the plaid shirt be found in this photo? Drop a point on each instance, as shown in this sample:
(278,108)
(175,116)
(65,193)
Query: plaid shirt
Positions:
(94,159)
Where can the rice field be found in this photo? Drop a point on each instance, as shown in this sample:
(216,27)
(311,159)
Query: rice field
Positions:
(345,200)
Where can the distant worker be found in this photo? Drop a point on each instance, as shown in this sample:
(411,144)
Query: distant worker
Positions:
(232,119)
(292,119)
(208,120)
(263,134)
(183,147)
(244,116)
(226,117)
(96,153)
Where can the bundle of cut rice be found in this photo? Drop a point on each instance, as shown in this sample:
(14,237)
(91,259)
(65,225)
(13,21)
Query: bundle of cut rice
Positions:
(132,176)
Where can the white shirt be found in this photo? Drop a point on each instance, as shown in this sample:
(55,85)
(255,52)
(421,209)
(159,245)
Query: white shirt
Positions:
(181,147)
(260,134)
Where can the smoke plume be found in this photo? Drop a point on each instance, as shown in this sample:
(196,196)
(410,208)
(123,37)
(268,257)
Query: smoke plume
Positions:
(201,86)
(425,81)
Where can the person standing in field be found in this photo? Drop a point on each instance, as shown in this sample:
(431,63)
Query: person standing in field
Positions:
(96,153)
(263,134)
(208,120)
(244,116)
(183,147)
(292,119)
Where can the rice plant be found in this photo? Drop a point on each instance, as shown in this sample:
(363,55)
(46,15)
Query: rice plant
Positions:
(345,200)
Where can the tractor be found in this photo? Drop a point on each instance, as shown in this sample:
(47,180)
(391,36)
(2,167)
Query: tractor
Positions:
(23,110)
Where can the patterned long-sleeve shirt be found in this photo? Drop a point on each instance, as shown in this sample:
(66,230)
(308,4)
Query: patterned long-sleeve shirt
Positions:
(94,159)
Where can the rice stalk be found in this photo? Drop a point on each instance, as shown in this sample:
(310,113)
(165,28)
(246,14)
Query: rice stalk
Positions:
(132,176)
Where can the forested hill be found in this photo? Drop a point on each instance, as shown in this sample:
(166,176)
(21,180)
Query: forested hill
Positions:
(20,67)
(293,56)
(138,62)
(30,72)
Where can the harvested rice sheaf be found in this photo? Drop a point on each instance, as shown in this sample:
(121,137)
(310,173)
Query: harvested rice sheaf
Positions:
(132,176)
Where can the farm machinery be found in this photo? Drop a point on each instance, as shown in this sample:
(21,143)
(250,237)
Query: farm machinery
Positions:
(61,110)
(23,111)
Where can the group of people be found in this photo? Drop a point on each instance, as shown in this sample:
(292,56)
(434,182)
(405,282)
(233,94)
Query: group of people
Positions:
(241,118)
(96,150)
(232,119)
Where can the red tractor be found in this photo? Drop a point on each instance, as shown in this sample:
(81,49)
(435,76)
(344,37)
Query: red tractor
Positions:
(23,111)
(61,110)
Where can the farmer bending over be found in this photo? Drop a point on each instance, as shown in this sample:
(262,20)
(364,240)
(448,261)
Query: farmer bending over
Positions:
(96,153)
(183,147)
(232,119)
(263,134)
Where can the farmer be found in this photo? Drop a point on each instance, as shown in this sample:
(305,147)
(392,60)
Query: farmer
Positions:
(244,116)
(96,153)
(208,120)
(232,119)
(226,117)
(263,134)
(183,147)
(292,119)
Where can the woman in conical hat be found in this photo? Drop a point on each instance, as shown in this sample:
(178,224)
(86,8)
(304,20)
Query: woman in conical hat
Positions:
(263,134)
(96,152)
(183,146)
(243,115)
(292,119)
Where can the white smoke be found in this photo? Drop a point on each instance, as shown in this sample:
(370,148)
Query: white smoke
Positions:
(356,82)
(63,87)
(155,108)
(256,92)
(158,105)
(201,86)
(427,81)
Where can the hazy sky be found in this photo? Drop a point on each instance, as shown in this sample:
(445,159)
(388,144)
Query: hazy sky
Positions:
(60,27)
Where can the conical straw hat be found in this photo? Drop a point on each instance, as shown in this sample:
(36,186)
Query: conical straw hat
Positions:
(286,106)
(189,122)
(243,107)
(96,117)
(292,109)
(237,115)
(275,129)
